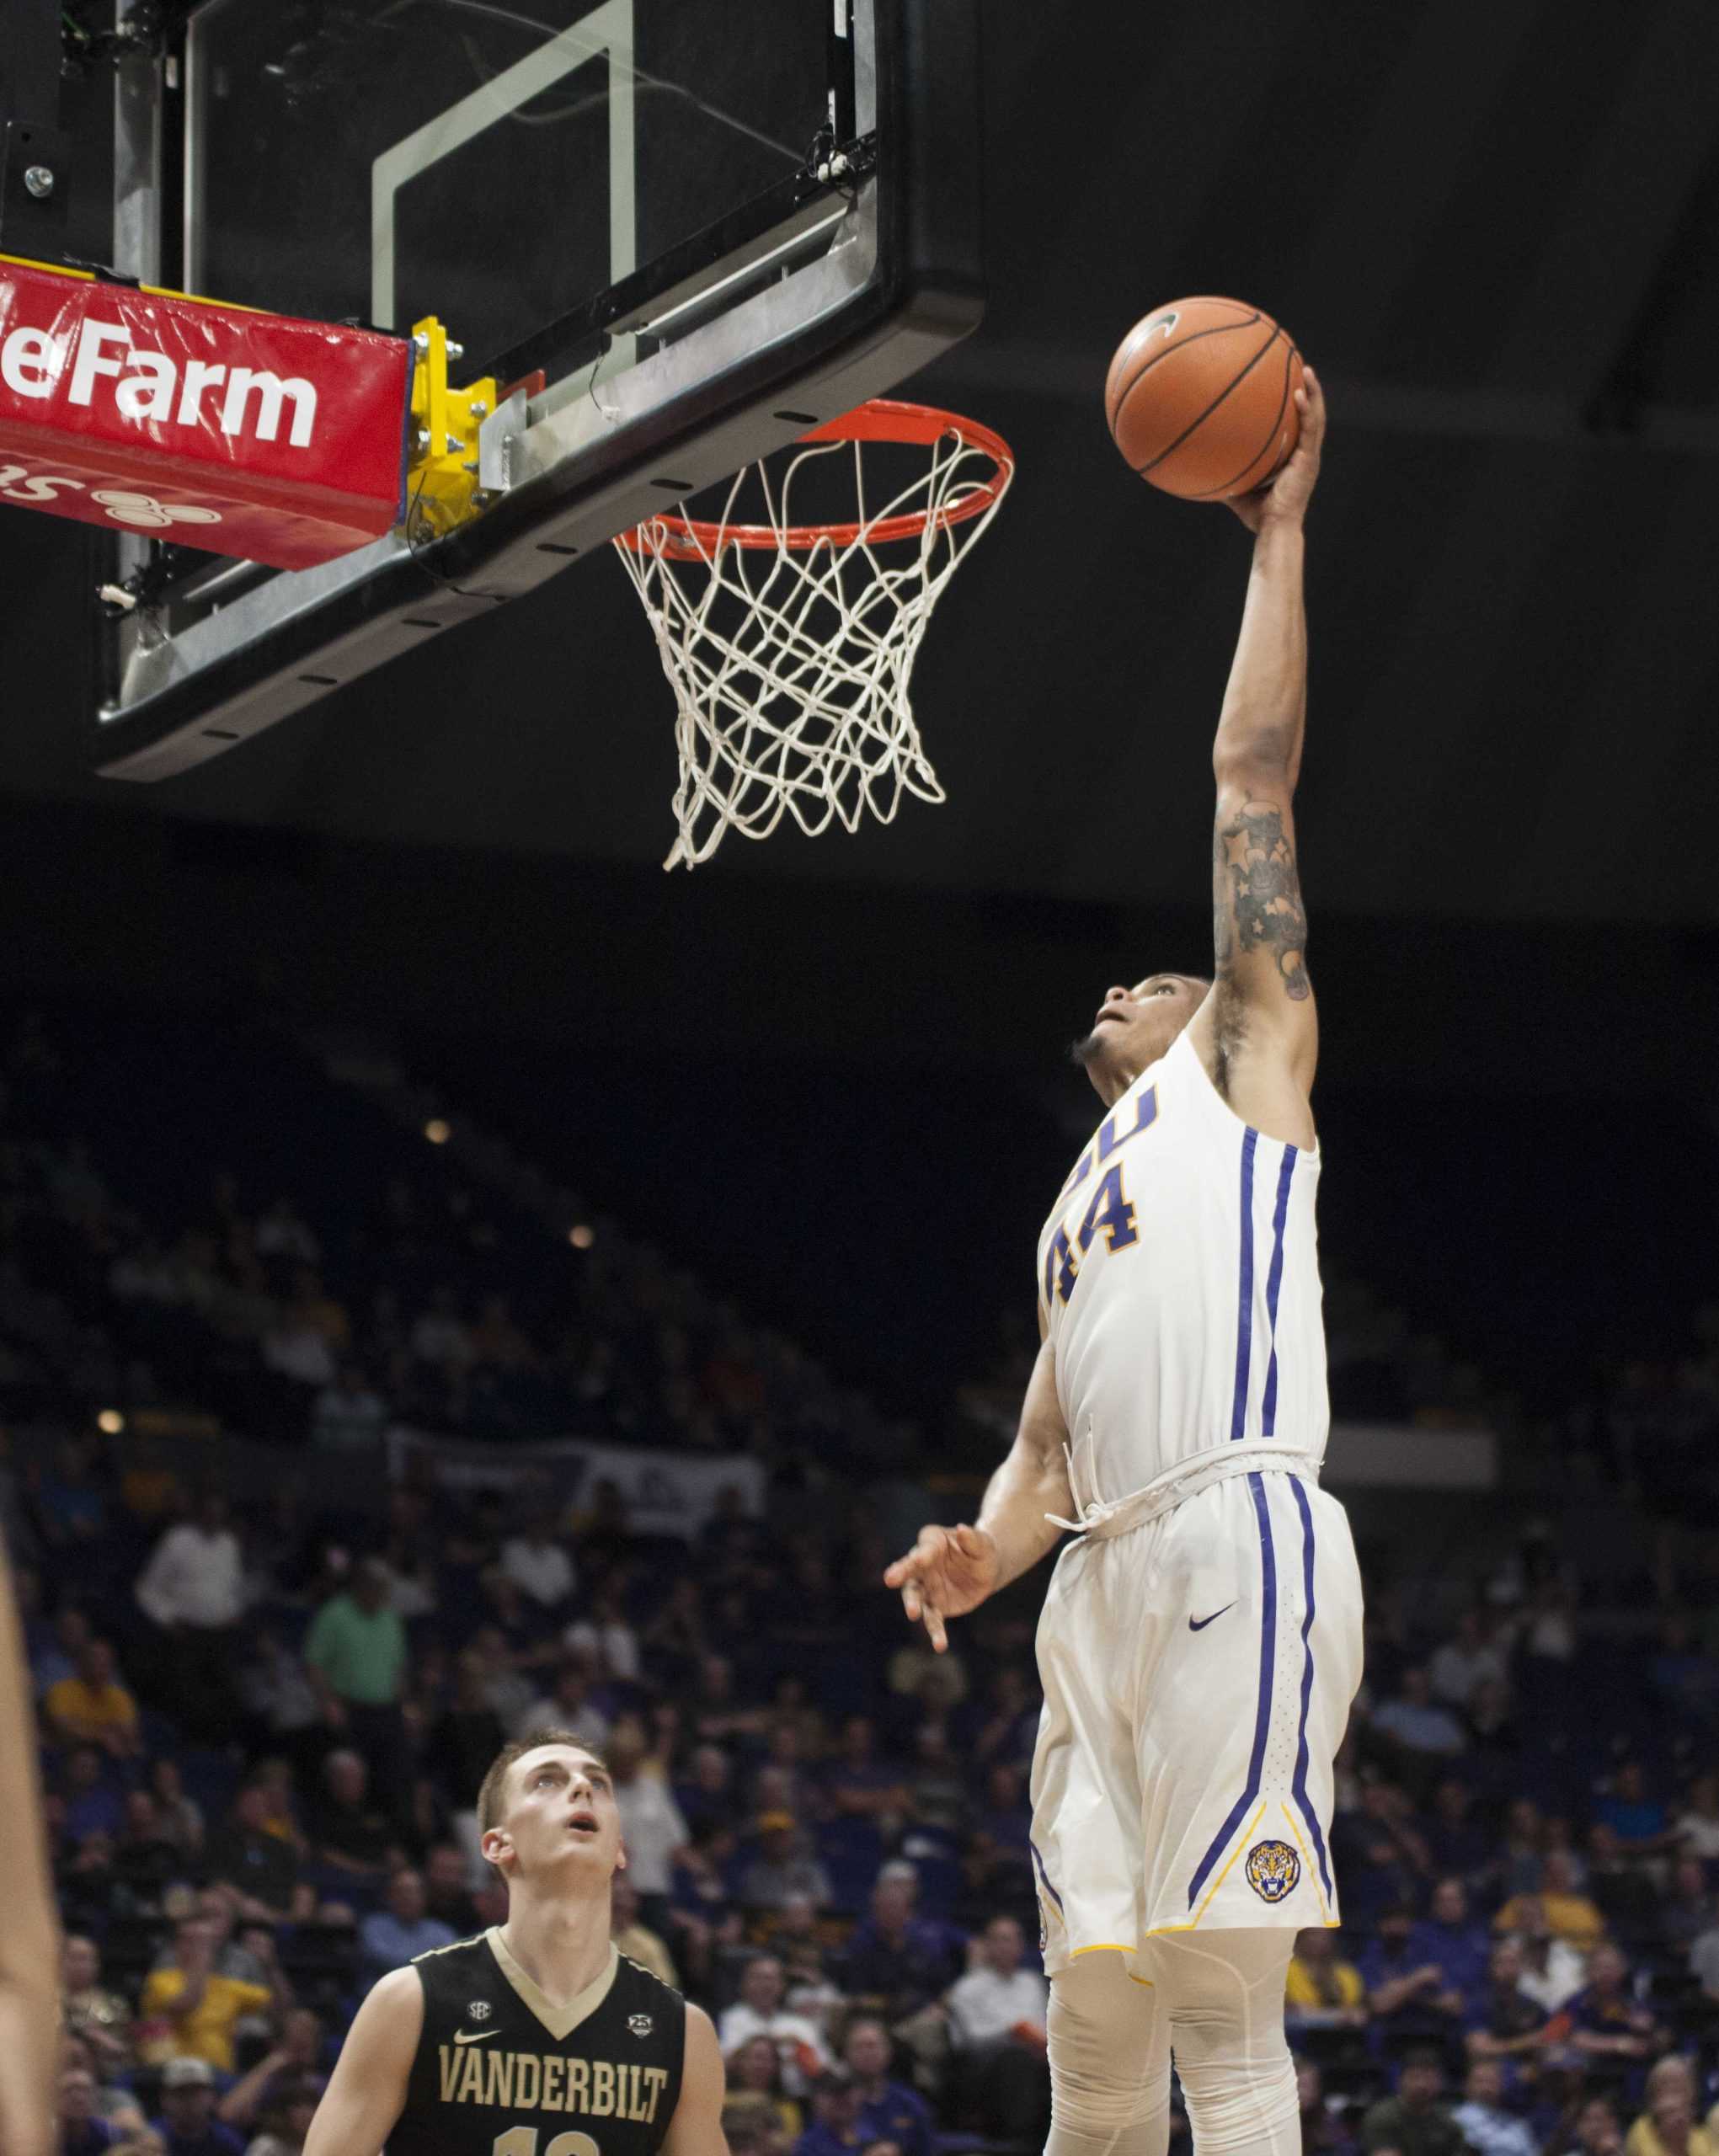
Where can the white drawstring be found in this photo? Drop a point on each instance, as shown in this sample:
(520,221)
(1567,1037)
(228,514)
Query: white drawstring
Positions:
(1093,1511)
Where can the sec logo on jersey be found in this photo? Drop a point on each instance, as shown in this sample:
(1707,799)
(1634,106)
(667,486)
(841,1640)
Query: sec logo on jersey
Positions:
(1273,1871)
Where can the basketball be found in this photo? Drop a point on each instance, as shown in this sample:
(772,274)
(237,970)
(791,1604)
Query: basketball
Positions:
(1200,398)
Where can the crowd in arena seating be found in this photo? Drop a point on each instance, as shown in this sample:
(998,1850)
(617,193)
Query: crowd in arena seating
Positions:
(265,1714)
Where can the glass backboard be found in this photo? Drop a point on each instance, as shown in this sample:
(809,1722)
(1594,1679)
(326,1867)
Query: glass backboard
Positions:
(684,232)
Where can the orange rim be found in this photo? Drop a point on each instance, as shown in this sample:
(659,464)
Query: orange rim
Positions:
(883,418)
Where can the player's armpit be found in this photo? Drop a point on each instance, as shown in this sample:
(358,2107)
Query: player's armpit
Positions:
(366,2091)
(697,2127)
(1259,921)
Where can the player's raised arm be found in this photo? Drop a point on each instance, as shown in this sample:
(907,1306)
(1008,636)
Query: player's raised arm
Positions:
(366,2092)
(951,1569)
(697,2127)
(1263,999)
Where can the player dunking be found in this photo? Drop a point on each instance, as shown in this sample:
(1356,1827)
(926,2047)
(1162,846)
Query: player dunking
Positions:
(535,2038)
(1201,1639)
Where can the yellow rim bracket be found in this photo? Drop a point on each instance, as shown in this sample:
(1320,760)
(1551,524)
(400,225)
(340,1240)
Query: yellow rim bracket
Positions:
(442,469)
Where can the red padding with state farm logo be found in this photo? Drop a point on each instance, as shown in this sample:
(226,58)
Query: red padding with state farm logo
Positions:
(253,434)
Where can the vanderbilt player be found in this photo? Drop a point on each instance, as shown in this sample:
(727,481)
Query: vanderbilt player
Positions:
(536,2038)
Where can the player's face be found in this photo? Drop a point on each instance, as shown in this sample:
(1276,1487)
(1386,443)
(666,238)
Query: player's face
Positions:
(1133,1027)
(560,1817)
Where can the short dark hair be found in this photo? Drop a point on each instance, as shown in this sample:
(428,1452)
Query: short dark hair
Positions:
(492,1791)
(1424,2055)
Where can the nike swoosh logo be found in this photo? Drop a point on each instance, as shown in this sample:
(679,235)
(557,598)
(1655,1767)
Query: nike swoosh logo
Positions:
(1199,1623)
(465,2036)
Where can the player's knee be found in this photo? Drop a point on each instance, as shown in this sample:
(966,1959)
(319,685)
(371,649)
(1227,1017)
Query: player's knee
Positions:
(1109,2064)
(1240,2105)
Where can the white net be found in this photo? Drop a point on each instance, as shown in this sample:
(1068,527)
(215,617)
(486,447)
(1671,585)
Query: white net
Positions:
(790,653)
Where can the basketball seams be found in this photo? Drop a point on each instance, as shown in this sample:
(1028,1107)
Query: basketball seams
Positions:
(1194,337)
(1228,390)
(1217,493)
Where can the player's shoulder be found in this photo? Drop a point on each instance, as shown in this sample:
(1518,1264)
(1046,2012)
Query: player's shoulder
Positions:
(637,1982)
(451,1954)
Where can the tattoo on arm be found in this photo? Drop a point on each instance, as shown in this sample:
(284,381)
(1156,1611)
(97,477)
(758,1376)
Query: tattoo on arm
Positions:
(1259,904)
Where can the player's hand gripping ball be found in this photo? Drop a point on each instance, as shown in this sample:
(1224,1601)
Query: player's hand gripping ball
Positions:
(1201,398)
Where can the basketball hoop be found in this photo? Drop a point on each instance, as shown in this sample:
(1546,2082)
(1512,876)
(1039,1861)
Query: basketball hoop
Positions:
(789,646)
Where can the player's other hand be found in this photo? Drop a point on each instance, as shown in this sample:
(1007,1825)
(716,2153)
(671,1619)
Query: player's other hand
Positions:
(948,1571)
(1284,498)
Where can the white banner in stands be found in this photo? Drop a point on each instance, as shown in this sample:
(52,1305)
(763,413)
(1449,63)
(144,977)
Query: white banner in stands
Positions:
(664,1492)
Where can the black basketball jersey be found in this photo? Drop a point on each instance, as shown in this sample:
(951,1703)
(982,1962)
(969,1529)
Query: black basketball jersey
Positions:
(500,2072)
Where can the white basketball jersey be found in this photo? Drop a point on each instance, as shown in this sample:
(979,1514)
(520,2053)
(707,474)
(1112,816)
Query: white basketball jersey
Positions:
(1179,1274)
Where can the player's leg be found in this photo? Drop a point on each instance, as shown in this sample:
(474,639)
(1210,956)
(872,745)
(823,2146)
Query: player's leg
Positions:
(1109,2062)
(1220,1994)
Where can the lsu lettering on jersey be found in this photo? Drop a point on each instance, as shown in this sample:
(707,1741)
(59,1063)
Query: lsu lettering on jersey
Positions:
(1201,1638)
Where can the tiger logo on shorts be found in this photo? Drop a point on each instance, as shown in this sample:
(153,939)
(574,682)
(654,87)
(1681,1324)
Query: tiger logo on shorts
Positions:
(1273,1871)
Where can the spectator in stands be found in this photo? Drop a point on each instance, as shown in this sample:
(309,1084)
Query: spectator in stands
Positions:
(1413,2121)
(754,2069)
(469,1734)
(348,1414)
(187,2125)
(82,2132)
(92,1707)
(1595,2131)
(200,2006)
(1697,1825)
(783,1867)
(996,2024)
(858,1785)
(636,1940)
(286,2122)
(1640,1821)
(759,2012)
(1471,1658)
(1486,2126)
(89,2009)
(539,1566)
(1448,1938)
(146,1864)
(1404,1992)
(835,2110)
(1668,2125)
(1552,1970)
(294,2062)
(177,1817)
(651,1824)
(354,1654)
(447,1894)
(567,1705)
(93,1802)
(1568,1913)
(1524,1849)
(896,1961)
(1323,2130)
(395,1935)
(285,1706)
(1382,1854)
(605,1637)
(889,2110)
(1458,1843)
(1504,2021)
(261,1868)
(1420,1729)
(193,1587)
(1687,1910)
(707,1792)
(1605,2019)
(1322,1990)
(349,1833)
(1622,1885)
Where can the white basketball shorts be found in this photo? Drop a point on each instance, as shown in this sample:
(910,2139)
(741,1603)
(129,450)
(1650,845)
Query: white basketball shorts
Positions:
(1197,1673)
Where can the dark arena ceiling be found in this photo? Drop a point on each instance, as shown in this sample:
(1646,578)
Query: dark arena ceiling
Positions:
(1492,223)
